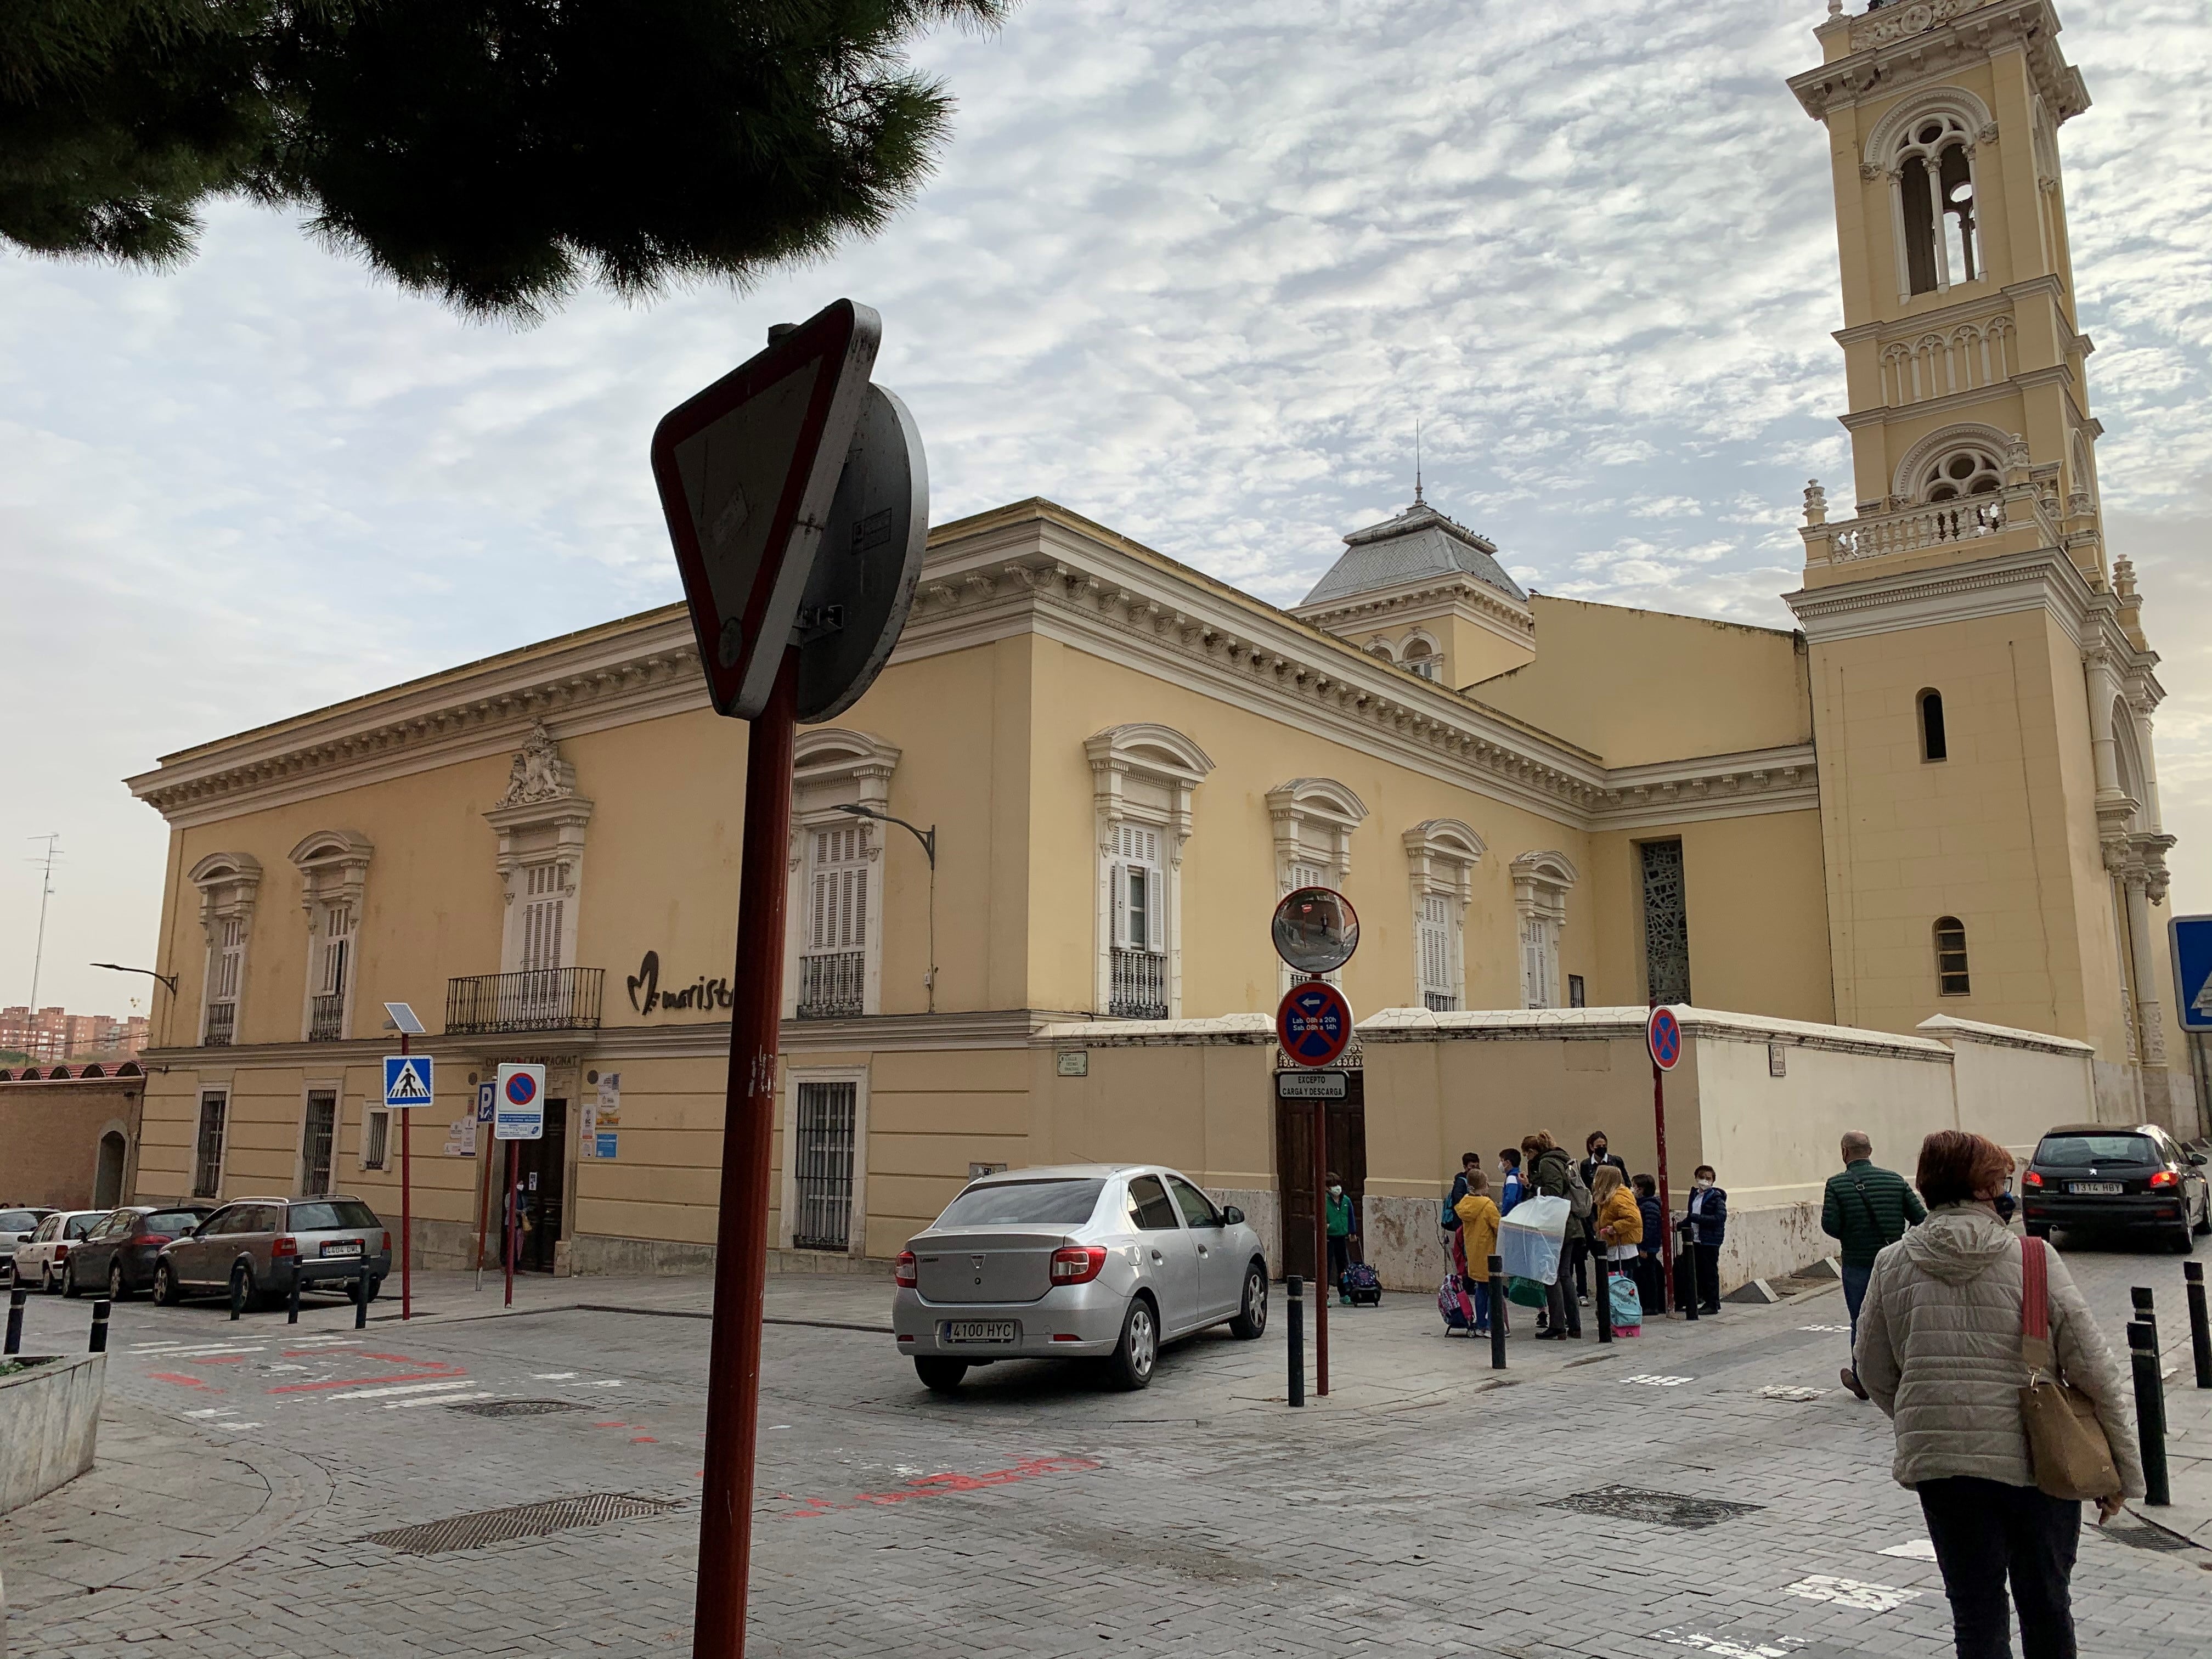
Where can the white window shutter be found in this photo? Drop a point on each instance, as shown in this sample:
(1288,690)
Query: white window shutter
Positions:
(1155,935)
(860,907)
(1121,905)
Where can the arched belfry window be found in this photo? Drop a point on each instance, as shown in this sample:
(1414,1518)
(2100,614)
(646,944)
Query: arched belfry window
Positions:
(1933,745)
(1935,172)
(1967,471)
(1951,979)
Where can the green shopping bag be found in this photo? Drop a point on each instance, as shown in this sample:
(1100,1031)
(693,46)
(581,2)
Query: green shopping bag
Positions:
(1527,1293)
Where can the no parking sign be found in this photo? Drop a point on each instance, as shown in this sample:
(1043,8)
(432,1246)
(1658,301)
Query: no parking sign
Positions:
(518,1107)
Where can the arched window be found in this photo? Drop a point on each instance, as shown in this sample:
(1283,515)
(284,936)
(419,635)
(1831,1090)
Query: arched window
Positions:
(1957,473)
(1932,744)
(1936,196)
(1951,958)
(1381,648)
(1421,657)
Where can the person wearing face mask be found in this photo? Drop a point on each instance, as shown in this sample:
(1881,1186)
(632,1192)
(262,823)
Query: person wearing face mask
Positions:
(1708,1213)
(1940,1350)
(1599,1159)
(1343,1234)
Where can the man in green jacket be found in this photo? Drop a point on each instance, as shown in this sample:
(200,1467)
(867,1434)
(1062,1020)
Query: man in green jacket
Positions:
(1865,1209)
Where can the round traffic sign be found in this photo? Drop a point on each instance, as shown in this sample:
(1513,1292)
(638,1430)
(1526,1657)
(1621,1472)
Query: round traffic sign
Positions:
(1314,1022)
(1663,1034)
(1315,930)
(522,1089)
(865,573)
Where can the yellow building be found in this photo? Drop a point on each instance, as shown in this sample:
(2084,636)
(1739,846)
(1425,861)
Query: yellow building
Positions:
(1937,800)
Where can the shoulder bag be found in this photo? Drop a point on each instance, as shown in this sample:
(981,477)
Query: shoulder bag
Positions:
(2066,1442)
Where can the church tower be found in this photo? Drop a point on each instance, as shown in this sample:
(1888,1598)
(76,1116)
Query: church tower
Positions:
(1983,690)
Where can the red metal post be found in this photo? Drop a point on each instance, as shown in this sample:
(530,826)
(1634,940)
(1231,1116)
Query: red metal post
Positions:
(1666,1203)
(510,1229)
(406,1206)
(741,1231)
(1322,1286)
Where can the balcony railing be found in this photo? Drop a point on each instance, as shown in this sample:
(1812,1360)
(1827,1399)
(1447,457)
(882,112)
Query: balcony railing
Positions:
(831,986)
(1439,1002)
(326,1018)
(1139,989)
(540,999)
(221,1024)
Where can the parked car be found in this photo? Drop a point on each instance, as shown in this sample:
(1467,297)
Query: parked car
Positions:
(1104,1260)
(40,1259)
(117,1255)
(2103,1174)
(265,1243)
(16,1227)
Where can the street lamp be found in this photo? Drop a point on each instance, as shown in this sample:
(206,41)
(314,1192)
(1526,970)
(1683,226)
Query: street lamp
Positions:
(928,840)
(169,979)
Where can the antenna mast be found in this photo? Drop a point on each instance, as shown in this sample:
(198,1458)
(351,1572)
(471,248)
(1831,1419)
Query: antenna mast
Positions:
(45,892)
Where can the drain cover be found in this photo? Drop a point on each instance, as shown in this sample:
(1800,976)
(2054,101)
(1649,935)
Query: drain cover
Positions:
(470,1532)
(517,1407)
(1661,1509)
(2147,1538)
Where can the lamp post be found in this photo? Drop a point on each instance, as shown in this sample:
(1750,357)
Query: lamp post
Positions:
(928,840)
(169,979)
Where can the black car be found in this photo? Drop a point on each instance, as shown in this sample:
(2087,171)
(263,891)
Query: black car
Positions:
(117,1257)
(2108,1175)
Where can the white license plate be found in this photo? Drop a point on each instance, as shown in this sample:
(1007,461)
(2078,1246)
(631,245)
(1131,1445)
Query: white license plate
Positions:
(349,1249)
(2092,1187)
(981,1330)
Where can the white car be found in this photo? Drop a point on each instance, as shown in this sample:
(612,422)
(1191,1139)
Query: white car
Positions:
(39,1258)
(1104,1260)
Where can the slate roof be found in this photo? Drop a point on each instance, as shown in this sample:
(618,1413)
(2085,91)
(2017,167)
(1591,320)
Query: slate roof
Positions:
(1420,542)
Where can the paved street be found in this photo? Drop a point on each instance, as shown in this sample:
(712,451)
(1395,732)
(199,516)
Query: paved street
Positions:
(245,1468)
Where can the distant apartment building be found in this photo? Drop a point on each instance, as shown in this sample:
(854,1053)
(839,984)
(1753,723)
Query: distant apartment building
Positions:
(53,1033)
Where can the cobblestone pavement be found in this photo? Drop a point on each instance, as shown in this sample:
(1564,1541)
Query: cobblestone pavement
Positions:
(1418,1510)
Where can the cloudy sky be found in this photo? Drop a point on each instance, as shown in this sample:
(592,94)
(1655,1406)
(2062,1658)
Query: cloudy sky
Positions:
(1194,268)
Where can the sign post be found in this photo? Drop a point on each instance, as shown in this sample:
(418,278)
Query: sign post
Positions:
(518,1114)
(1662,1036)
(1315,930)
(797,501)
(407,1084)
(486,1093)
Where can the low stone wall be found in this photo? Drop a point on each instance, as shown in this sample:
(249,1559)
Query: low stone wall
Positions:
(49,1425)
(1771,1242)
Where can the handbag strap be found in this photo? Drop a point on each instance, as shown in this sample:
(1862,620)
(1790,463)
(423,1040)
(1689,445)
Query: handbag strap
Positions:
(2034,1306)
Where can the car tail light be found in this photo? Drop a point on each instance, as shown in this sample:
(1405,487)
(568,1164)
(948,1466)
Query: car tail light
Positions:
(387,1243)
(909,1273)
(153,1240)
(285,1245)
(61,1252)
(2164,1178)
(1078,1264)
(2031,1179)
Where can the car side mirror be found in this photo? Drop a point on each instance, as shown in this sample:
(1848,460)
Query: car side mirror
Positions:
(2197,1158)
(1233,1217)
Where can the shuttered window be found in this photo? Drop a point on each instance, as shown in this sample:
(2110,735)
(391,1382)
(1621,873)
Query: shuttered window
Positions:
(1540,961)
(207,1151)
(544,916)
(837,898)
(1439,982)
(337,949)
(1140,889)
(316,1138)
(229,960)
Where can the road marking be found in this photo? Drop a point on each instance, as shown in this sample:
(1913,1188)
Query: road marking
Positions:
(1832,1330)
(643,1440)
(550,1377)
(412,1388)
(1913,1549)
(1778,1648)
(1779,1392)
(1659,1381)
(214,1411)
(1851,1593)
(355,1382)
(181,1380)
(609,1382)
(440,1400)
(943,1486)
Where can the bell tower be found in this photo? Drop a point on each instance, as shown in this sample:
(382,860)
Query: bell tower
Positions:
(1983,688)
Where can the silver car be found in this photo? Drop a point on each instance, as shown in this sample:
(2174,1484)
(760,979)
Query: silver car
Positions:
(1101,1260)
(262,1245)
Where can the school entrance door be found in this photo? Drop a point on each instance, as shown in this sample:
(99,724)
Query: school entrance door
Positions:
(1296,1120)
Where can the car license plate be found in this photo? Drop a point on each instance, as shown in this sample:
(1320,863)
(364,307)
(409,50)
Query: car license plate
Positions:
(352,1247)
(981,1330)
(2092,1187)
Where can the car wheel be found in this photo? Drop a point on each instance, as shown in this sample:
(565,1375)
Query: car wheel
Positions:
(2184,1237)
(241,1287)
(48,1284)
(165,1285)
(2204,1216)
(119,1289)
(68,1280)
(1251,1321)
(1139,1349)
(939,1376)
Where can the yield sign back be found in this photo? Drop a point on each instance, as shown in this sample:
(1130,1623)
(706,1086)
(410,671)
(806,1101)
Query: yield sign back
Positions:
(747,470)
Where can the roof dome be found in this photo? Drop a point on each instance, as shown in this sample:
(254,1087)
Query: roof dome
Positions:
(1420,542)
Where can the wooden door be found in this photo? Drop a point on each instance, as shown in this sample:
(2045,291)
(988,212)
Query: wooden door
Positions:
(1346,1131)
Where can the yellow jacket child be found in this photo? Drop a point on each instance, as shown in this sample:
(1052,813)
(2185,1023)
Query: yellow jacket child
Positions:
(1478,1220)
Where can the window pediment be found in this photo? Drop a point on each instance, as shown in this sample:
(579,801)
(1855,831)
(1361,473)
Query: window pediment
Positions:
(333,866)
(229,883)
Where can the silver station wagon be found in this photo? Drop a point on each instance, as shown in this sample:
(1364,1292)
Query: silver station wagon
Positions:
(1105,1260)
(262,1245)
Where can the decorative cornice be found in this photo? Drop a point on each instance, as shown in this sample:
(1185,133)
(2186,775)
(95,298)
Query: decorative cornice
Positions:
(1427,595)
(1905,44)
(2042,580)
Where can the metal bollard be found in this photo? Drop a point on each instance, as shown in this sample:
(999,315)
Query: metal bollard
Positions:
(361,1300)
(2150,1411)
(99,1308)
(1601,1289)
(16,1297)
(1498,1306)
(1686,1269)
(2200,1336)
(2140,1296)
(292,1301)
(1294,1290)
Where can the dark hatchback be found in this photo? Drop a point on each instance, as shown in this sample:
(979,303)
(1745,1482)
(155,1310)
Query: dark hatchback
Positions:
(115,1258)
(2103,1174)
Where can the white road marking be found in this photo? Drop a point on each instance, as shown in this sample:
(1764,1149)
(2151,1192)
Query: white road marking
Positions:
(1851,1593)
(440,1400)
(234,1427)
(1779,1392)
(1658,1382)
(1832,1330)
(203,1353)
(215,1411)
(1778,1648)
(608,1383)
(550,1377)
(404,1387)
(1914,1549)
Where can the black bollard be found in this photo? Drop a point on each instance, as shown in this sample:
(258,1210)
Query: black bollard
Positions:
(1294,1290)
(15,1300)
(361,1300)
(100,1325)
(2150,1411)
(2140,1295)
(2200,1336)
(1686,1269)
(292,1301)
(1601,1289)
(1498,1306)
(237,1295)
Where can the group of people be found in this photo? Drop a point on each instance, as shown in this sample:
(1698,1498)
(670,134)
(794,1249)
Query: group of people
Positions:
(1614,1217)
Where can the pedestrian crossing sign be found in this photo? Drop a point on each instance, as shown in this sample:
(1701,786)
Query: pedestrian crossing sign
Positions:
(2192,970)
(407,1080)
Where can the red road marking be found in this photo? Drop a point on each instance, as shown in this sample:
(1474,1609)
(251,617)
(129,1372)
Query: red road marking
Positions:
(401,1359)
(181,1380)
(231,1359)
(643,1440)
(610,1425)
(359,1382)
(939,1486)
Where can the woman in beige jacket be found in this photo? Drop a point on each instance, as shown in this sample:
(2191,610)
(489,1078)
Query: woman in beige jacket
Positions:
(1939,1350)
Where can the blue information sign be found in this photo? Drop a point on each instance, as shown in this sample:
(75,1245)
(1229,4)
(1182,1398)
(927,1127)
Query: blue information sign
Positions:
(2192,970)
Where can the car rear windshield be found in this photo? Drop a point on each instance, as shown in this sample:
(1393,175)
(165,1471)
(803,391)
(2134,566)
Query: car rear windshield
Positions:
(1050,1203)
(172,1222)
(79,1226)
(19,1221)
(339,1212)
(2069,1151)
